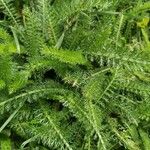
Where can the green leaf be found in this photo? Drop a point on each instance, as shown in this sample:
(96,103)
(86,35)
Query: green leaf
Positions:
(66,56)
(145,139)
(5,144)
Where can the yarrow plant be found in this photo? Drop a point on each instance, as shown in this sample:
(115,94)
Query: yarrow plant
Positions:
(74,75)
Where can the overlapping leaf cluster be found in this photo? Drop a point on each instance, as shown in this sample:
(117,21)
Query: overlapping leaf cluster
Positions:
(74,75)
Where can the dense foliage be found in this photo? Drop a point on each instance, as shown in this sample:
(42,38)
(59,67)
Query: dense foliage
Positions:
(74,75)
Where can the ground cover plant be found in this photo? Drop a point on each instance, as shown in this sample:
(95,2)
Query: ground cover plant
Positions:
(74,75)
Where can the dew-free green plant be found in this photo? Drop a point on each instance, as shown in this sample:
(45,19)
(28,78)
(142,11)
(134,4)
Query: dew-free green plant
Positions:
(74,75)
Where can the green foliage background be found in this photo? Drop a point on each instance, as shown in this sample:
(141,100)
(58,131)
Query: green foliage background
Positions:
(74,75)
